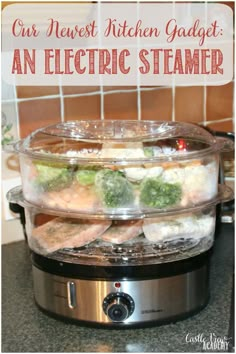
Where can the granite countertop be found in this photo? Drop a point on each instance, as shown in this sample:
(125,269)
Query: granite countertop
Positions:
(26,329)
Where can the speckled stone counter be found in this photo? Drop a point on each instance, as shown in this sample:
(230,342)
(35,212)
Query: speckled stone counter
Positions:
(26,329)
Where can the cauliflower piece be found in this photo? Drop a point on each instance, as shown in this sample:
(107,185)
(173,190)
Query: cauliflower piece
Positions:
(122,150)
(135,174)
(200,183)
(154,171)
(174,175)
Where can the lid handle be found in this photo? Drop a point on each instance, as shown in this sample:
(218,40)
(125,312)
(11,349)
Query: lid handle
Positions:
(225,193)
(225,144)
(15,195)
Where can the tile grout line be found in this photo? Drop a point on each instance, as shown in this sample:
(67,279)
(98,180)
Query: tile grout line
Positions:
(204,105)
(204,109)
(218,121)
(62,107)
(173,103)
(134,90)
(139,102)
(26,99)
(233,106)
(84,94)
(102,105)
(101,92)
(173,79)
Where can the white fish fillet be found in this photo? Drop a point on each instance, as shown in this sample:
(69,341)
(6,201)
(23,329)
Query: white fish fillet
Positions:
(122,231)
(66,233)
(184,227)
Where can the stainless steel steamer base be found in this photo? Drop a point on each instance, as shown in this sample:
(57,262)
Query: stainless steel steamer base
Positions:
(150,177)
(122,302)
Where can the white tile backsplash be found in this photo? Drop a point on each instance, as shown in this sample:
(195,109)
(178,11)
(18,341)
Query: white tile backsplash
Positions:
(9,111)
(8,91)
(11,231)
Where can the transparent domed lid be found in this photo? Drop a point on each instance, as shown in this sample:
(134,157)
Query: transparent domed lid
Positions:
(121,140)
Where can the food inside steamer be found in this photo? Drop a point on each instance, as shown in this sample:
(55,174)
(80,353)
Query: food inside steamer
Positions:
(61,233)
(185,226)
(122,231)
(66,233)
(161,184)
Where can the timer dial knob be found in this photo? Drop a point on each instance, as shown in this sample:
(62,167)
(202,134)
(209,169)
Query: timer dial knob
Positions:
(118,306)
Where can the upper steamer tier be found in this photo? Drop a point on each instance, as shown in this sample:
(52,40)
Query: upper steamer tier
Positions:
(120,169)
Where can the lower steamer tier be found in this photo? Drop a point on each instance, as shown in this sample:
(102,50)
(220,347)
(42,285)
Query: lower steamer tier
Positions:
(122,296)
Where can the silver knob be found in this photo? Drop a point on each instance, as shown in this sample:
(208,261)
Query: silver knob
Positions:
(118,306)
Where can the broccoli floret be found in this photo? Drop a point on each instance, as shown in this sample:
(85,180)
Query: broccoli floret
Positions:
(52,176)
(158,194)
(85,177)
(89,167)
(113,188)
